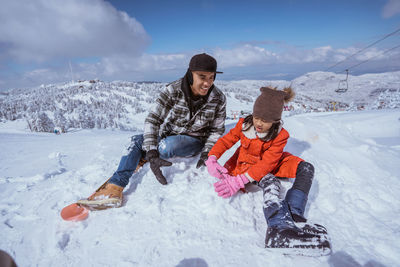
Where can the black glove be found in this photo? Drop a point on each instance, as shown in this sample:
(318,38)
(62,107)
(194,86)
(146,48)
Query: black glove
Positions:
(156,163)
(202,160)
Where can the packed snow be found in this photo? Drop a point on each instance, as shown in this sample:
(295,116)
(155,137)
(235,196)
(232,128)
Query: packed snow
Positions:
(355,194)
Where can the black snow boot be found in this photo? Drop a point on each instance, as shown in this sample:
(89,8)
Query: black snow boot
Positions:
(297,201)
(282,232)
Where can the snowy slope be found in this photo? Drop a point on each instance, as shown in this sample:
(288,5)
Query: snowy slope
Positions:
(118,105)
(354,194)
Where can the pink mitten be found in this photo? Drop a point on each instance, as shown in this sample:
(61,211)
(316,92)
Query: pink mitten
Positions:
(214,169)
(230,185)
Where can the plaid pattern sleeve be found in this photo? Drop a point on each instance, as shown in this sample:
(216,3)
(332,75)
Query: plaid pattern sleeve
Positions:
(217,126)
(156,118)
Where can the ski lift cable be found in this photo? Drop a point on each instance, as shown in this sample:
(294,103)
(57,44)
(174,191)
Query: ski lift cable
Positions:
(356,53)
(388,50)
(343,84)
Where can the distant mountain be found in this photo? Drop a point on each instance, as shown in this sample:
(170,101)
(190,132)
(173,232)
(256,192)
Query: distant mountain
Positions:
(317,91)
(371,91)
(98,104)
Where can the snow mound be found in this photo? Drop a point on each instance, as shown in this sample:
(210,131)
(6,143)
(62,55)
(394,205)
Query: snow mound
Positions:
(354,194)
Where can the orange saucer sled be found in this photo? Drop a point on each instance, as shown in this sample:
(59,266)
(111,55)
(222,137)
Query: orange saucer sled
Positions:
(74,212)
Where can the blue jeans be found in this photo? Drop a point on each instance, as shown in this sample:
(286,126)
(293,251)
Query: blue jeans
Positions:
(168,147)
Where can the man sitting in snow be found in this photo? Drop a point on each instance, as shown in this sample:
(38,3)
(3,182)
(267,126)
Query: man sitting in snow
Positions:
(197,111)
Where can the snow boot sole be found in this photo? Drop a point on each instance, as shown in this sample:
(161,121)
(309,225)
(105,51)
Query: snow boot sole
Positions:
(301,241)
(100,204)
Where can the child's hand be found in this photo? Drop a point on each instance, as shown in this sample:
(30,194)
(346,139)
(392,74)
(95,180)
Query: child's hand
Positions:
(214,169)
(230,185)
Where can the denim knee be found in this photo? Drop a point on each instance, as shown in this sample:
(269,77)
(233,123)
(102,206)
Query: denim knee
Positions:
(136,142)
(179,146)
(165,149)
(129,162)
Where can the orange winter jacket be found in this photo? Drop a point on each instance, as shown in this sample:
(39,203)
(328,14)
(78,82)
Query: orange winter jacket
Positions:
(257,158)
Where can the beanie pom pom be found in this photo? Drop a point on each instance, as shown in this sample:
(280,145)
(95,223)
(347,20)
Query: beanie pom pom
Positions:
(289,94)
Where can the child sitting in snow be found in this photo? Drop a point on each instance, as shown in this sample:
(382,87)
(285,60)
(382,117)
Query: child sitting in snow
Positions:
(260,159)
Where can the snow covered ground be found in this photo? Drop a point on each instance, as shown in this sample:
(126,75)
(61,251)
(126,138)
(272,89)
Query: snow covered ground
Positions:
(355,194)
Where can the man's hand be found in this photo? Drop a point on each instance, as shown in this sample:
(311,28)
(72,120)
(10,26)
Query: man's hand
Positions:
(156,163)
(202,160)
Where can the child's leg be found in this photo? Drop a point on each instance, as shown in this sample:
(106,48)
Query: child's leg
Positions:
(282,231)
(291,166)
(276,211)
(297,196)
(304,177)
(271,187)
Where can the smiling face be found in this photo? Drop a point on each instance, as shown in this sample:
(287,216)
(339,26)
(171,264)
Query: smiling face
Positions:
(261,125)
(202,82)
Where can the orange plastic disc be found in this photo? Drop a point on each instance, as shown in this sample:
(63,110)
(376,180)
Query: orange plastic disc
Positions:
(74,212)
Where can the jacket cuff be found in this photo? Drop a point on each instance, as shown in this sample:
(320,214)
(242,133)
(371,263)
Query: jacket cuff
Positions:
(152,154)
(204,155)
(249,177)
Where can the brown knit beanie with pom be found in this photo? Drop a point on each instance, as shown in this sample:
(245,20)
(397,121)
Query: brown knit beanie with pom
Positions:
(269,105)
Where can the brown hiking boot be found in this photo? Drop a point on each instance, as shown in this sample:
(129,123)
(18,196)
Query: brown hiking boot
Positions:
(107,196)
(142,161)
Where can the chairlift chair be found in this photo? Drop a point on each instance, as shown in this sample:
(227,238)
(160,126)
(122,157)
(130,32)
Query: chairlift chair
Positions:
(343,84)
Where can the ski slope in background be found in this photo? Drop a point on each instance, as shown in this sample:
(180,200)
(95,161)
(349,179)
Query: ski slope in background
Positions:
(355,194)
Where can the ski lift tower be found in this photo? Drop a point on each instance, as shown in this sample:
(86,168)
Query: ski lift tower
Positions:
(343,84)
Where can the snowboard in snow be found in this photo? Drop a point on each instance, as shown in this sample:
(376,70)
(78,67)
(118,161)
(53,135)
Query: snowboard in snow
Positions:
(307,240)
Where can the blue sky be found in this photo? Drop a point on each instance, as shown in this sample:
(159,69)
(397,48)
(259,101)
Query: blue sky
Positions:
(44,42)
(227,23)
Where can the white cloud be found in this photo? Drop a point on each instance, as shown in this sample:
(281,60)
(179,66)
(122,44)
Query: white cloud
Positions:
(243,60)
(391,8)
(342,53)
(45,75)
(244,55)
(300,56)
(318,54)
(41,30)
(145,63)
(372,53)
(251,55)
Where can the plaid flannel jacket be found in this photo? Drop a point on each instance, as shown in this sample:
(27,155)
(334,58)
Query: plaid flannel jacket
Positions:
(171,116)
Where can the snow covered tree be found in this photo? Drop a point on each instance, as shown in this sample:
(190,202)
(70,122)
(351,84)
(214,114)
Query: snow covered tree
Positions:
(60,121)
(41,123)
